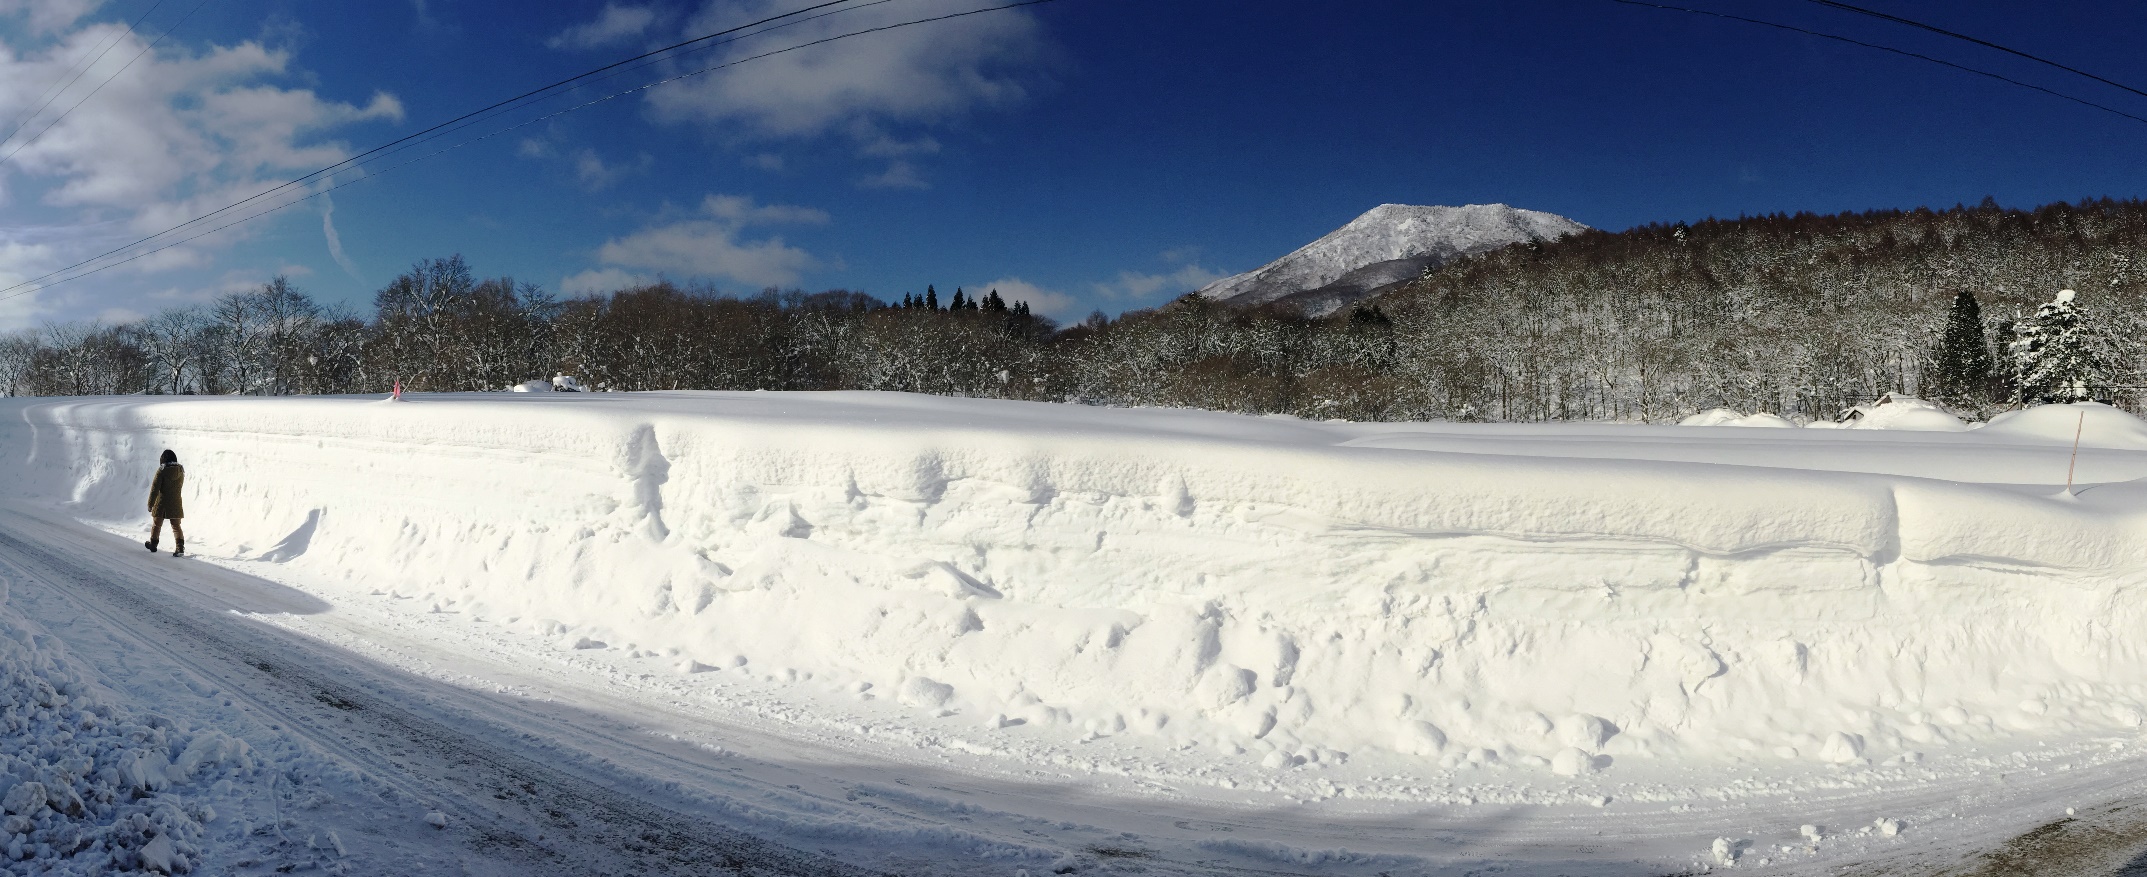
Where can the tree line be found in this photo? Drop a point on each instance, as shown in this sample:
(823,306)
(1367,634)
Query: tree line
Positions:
(1800,315)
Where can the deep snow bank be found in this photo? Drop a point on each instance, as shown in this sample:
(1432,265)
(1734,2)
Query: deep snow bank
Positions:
(1573,596)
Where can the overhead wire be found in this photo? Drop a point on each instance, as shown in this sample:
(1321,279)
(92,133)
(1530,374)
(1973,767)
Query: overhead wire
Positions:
(1883,48)
(95,54)
(100,86)
(35,284)
(1859,10)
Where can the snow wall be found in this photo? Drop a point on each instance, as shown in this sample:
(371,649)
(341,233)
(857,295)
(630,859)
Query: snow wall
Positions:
(1243,583)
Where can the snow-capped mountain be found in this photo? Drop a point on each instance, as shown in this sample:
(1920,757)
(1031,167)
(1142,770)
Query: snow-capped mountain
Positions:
(1389,244)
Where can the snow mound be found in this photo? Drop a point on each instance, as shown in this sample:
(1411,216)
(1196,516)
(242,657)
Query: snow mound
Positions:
(1566,599)
(531,387)
(1727,417)
(1388,242)
(1898,411)
(2098,425)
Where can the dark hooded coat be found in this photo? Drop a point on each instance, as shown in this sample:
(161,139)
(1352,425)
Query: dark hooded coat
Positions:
(164,493)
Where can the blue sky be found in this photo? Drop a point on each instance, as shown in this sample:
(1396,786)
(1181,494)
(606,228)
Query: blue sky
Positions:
(1084,154)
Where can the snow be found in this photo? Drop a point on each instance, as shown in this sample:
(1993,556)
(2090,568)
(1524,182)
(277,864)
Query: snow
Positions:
(1726,417)
(93,787)
(1899,411)
(1241,608)
(1891,411)
(2097,426)
(1390,232)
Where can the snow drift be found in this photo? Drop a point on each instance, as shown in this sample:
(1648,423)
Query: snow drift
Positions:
(1578,597)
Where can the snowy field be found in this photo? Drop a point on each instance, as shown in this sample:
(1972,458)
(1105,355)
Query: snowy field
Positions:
(925,635)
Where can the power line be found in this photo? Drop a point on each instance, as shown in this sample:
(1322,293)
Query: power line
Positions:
(1902,52)
(53,92)
(509,102)
(107,81)
(19,289)
(1859,10)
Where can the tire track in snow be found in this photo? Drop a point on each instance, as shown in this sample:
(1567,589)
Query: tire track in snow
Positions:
(276,676)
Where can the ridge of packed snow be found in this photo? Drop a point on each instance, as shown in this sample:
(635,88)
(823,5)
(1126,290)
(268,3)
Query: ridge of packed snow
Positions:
(1587,599)
(1410,236)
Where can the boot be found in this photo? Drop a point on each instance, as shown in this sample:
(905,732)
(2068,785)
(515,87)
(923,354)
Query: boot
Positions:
(151,545)
(178,547)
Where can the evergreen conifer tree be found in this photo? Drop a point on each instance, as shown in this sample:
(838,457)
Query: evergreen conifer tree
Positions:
(2057,354)
(959,302)
(1961,368)
(931,297)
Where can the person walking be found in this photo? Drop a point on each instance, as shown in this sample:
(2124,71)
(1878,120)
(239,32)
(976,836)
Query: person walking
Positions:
(164,503)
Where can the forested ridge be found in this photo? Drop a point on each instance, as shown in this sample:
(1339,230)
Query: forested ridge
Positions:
(1799,315)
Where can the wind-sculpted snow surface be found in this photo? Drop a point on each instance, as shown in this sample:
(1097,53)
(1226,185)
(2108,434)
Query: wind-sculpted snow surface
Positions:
(1578,601)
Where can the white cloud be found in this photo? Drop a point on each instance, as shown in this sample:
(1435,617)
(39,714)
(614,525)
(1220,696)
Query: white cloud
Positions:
(600,280)
(876,143)
(262,127)
(921,74)
(616,24)
(118,314)
(596,175)
(174,136)
(1184,255)
(900,174)
(1051,303)
(1129,290)
(591,170)
(169,259)
(710,245)
(20,262)
(335,239)
(1141,289)
(742,210)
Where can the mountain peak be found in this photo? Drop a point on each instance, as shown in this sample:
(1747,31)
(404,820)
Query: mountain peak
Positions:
(1386,244)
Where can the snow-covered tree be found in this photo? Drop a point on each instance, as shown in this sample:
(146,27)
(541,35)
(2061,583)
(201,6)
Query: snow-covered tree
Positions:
(2057,354)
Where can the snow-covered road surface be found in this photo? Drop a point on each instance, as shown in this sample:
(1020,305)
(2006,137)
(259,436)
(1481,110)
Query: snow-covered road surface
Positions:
(697,624)
(370,750)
